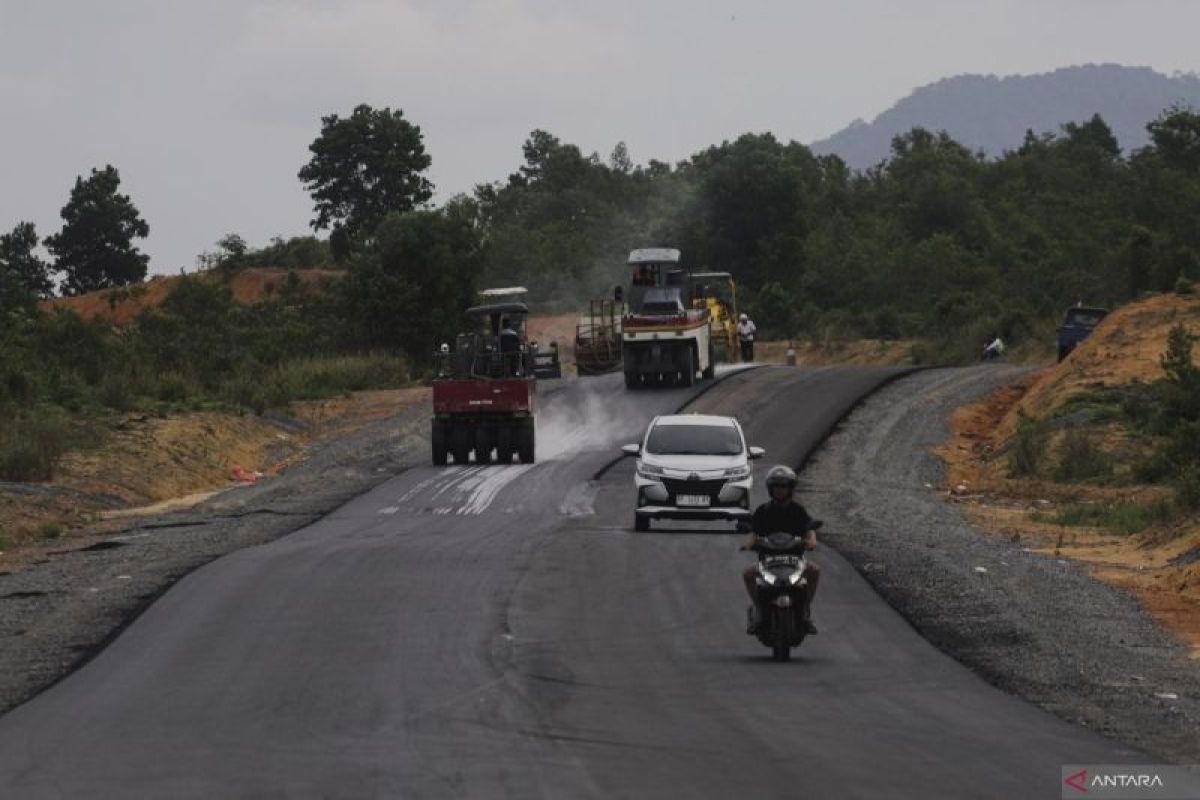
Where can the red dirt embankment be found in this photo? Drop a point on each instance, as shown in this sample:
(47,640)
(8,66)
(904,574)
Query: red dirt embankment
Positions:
(248,286)
(1158,564)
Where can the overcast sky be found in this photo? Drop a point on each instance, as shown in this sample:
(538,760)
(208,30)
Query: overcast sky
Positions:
(207,109)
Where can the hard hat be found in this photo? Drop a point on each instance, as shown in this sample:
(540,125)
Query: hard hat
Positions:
(743,317)
(781,475)
(445,348)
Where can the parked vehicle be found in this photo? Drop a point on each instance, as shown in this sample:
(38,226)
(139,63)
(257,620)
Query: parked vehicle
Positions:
(782,596)
(1077,326)
(692,466)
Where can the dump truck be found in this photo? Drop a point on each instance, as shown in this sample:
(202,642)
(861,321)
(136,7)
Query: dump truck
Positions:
(663,341)
(485,392)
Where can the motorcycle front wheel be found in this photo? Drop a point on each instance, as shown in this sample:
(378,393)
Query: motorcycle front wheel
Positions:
(781,650)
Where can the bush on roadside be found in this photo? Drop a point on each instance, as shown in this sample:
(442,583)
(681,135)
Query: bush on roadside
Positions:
(1119,518)
(1029,448)
(1080,459)
(31,446)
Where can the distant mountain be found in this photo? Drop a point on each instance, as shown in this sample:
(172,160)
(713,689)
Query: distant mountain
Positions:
(992,114)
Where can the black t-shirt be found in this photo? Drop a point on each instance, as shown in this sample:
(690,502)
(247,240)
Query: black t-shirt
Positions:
(789,517)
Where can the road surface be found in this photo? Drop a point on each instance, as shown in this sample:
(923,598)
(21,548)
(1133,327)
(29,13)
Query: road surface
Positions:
(502,632)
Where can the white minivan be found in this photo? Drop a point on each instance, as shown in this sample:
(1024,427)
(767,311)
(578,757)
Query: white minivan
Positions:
(692,466)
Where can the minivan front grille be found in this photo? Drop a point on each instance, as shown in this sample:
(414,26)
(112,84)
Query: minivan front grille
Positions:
(678,486)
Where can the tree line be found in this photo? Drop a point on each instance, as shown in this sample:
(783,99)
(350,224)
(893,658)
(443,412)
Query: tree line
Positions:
(936,243)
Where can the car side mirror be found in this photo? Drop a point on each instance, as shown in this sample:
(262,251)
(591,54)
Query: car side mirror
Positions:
(757,452)
(631,449)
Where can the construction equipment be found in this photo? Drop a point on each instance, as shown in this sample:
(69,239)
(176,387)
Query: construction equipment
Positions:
(598,338)
(717,292)
(485,393)
(664,343)
(546,363)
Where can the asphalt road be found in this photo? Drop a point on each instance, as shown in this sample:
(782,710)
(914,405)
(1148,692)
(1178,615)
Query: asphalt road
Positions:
(501,631)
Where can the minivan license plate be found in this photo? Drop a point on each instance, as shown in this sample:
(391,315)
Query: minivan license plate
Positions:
(693,500)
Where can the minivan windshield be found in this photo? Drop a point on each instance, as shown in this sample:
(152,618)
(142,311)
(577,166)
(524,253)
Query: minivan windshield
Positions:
(694,440)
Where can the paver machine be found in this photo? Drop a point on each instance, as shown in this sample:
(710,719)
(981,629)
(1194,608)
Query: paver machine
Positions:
(485,393)
(663,341)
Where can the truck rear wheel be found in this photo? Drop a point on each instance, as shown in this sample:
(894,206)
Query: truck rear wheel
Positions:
(687,367)
(460,444)
(711,369)
(483,444)
(526,444)
(504,444)
(437,438)
(633,378)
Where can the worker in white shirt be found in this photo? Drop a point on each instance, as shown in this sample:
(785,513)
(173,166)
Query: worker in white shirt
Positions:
(745,331)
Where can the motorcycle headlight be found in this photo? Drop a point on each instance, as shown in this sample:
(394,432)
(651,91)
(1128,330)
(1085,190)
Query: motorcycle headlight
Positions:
(795,577)
(738,472)
(767,576)
(649,470)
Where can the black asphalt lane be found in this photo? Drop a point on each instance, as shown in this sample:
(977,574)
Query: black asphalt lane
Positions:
(500,631)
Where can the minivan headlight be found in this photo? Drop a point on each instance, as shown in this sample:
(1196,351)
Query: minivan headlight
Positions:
(649,470)
(738,472)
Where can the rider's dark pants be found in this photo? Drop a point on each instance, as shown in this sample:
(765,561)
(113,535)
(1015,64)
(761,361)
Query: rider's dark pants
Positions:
(747,350)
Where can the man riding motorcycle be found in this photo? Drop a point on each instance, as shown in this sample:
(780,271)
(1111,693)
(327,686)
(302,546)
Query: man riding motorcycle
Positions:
(782,513)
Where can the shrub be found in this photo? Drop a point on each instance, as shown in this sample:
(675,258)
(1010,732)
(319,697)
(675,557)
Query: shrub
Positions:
(173,387)
(1184,286)
(1119,518)
(1029,448)
(31,446)
(1079,459)
(1187,488)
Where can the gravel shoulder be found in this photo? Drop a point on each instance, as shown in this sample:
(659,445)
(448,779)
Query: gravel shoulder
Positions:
(1032,624)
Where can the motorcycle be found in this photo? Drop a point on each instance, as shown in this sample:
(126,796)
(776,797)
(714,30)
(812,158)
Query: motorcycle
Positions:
(782,591)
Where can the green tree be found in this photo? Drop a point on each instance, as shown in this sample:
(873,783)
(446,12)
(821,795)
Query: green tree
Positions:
(94,249)
(406,290)
(1176,138)
(24,277)
(363,168)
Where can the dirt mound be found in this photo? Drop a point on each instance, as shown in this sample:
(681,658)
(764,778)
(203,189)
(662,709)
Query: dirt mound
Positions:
(248,286)
(1124,349)
(1161,564)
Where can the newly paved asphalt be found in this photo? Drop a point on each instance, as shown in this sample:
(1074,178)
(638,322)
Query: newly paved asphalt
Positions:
(502,632)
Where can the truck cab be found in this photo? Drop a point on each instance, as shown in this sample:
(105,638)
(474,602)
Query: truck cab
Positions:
(1078,324)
